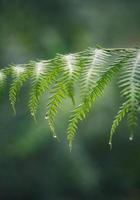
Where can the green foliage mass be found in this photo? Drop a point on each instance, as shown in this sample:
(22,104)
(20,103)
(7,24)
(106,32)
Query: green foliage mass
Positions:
(91,70)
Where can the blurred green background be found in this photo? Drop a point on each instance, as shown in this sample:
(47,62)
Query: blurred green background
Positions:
(33,165)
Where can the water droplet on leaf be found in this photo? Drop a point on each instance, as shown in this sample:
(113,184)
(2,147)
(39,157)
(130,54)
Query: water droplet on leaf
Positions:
(131,138)
(70,146)
(32,114)
(46,117)
(110,144)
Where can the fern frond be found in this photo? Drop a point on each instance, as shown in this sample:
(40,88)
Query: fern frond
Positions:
(71,70)
(94,62)
(43,75)
(2,80)
(19,75)
(94,69)
(123,110)
(79,113)
(55,100)
(64,86)
(130,87)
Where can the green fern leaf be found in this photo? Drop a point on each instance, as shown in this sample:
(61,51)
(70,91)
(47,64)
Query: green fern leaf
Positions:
(93,69)
(64,86)
(94,62)
(19,74)
(79,113)
(71,69)
(130,87)
(118,118)
(43,75)
(2,80)
(55,101)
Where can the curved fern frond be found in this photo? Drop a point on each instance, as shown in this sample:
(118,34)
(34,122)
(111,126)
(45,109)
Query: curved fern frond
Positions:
(130,87)
(55,101)
(90,71)
(19,75)
(94,62)
(123,110)
(79,113)
(64,87)
(2,80)
(71,70)
(43,75)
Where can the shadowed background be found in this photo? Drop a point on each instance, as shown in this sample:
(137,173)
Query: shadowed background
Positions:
(33,165)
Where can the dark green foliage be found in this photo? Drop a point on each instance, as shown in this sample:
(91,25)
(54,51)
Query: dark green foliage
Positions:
(92,70)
